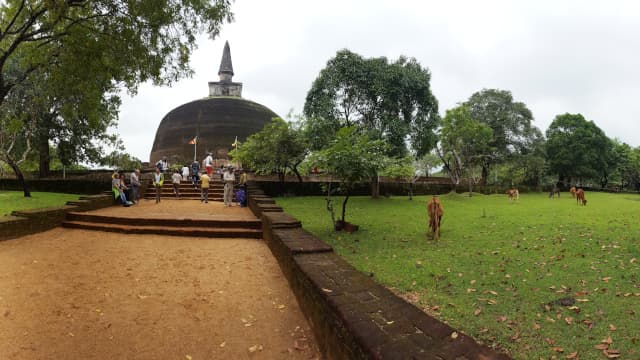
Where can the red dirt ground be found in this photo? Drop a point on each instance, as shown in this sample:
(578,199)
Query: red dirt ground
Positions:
(76,294)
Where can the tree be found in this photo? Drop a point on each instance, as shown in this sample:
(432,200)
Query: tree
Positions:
(100,47)
(425,164)
(134,41)
(351,158)
(577,149)
(633,173)
(510,122)
(121,161)
(464,143)
(389,101)
(277,149)
(622,163)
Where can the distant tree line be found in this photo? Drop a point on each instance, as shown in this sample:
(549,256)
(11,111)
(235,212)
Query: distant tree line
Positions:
(488,139)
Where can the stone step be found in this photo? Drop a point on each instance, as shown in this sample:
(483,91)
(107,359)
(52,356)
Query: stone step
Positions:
(180,222)
(185,192)
(164,230)
(186,197)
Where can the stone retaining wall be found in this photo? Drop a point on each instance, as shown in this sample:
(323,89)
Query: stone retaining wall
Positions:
(25,222)
(352,316)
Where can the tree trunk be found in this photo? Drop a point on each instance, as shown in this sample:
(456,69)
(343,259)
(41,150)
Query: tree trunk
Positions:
(44,155)
(20,178)
(470,187)
(295,171)
(485,175)
(375,187)
(344,206)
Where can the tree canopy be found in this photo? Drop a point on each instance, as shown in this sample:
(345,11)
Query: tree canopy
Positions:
(390,101)
(352,158)
(577,148)
(464,143)
(277,149)
(74,56)
(510,122)
(133,41)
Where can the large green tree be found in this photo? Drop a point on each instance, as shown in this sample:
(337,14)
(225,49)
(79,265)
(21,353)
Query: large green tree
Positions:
(390,101)
(79,53)
(578,149)
(464,144)
(133,41)
(510,122)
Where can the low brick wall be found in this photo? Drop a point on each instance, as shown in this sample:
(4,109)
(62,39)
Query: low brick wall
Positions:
(25,222)
(352,316)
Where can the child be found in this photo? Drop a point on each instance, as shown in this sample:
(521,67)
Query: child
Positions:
(204,186)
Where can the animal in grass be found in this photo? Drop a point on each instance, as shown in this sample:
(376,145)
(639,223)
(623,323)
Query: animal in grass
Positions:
(580,197)
(435,211)
(554,190)
(513,194)
(573,192)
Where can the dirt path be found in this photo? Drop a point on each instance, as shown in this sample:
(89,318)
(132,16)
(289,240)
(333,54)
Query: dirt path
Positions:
(75,294)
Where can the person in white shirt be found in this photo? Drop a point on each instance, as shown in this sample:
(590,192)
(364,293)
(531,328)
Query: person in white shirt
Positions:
(185,173)
(229,178)
(208,164)
(175,180)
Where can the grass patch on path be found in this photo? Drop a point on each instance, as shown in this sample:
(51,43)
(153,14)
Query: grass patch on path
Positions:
(500,268)
(15,200)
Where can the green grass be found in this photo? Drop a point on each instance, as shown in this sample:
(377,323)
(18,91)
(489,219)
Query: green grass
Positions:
(497,263)
(15,200)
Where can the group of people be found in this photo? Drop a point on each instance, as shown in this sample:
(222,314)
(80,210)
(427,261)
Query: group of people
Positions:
(127,195)
(201,179)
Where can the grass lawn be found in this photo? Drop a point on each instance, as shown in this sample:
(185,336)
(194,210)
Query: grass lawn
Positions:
(15,200)
(499,266)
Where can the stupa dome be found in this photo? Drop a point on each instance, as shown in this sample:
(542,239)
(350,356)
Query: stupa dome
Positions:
(215,122)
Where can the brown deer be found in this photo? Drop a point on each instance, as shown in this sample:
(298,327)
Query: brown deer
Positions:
(435,211)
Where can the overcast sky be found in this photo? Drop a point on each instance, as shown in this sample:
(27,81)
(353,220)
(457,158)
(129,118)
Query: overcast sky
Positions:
(555,56)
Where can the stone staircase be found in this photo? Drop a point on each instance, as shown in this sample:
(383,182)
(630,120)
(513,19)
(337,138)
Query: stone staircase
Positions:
(188,191)
(214,228)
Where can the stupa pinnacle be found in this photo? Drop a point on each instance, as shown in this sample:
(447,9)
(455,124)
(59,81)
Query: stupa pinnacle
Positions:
(225,87)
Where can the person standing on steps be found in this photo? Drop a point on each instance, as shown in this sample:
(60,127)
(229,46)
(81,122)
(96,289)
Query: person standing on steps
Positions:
(229,178)
(185,172)
(135,186)
(208,164)
(158,180)
(175,180)
(242,198)
(162,164)
(195,173)
(204,186)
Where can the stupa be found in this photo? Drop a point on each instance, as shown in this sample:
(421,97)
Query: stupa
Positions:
(215,122)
